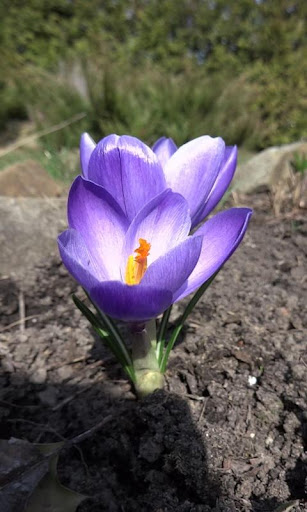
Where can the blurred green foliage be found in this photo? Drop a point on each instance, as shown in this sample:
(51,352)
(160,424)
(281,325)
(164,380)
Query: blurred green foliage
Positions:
(150,68)
(299,163)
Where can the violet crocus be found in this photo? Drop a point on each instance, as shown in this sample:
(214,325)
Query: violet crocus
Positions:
(200,170)
(135,270)
(129,242)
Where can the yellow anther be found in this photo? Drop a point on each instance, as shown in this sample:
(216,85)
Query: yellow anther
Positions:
(137,265)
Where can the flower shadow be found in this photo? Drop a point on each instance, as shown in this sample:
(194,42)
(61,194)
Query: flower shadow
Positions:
(148,456)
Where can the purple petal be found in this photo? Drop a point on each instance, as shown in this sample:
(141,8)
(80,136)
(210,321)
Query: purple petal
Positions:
(81,264)
(87,146)
(164,148)
(221,184)
(193,169)
(129,170)
(131,303)
(164,223)
(221,236)
(94,213)
(173,269)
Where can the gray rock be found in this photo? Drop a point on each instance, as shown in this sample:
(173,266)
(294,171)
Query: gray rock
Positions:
(28,232)
(267,169)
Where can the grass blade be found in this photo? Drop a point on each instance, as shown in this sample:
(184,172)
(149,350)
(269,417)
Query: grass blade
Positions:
(182,320)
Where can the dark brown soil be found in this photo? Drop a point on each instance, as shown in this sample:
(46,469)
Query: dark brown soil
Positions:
(229,433)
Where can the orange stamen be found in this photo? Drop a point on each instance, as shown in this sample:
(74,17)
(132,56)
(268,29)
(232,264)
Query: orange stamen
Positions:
(143,250)
(137,265)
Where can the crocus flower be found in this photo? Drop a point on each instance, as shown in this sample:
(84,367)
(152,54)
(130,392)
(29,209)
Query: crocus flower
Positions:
(135,256)
(200,170)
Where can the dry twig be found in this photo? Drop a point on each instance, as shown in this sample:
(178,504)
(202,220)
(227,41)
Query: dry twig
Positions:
(14,324)
(203,409)
(22,311)
(46,131)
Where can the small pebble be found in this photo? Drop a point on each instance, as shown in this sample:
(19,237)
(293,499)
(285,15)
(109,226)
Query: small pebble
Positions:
(22,338)
(39,376)
(269,441)
(49,396)
(7,364)
(64,372)
(252,380)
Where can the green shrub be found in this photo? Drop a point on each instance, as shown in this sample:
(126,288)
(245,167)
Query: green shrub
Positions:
(299,163)
(12,106)
(280,103)
(49,102)
(264,106)
(149,102)
(261,106)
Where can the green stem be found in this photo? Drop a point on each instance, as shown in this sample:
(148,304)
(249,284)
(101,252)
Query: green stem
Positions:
(148,377)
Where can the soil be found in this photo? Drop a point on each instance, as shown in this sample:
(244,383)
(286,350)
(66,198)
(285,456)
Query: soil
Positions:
(228,433)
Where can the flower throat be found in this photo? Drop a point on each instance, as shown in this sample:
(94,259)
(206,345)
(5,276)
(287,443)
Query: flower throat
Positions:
(137,263)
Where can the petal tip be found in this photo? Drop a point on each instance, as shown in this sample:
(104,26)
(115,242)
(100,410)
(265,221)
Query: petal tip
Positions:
(87,146)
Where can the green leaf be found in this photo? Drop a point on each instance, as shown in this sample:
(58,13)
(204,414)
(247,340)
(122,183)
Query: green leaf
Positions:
(51,496)
(29,481)
(116,341)
(163,324)
(117,352)
(182,320)
(109,333)
(89,315)
(286,507)
(116,336)
(161,334)
(169,347)
(22,467)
